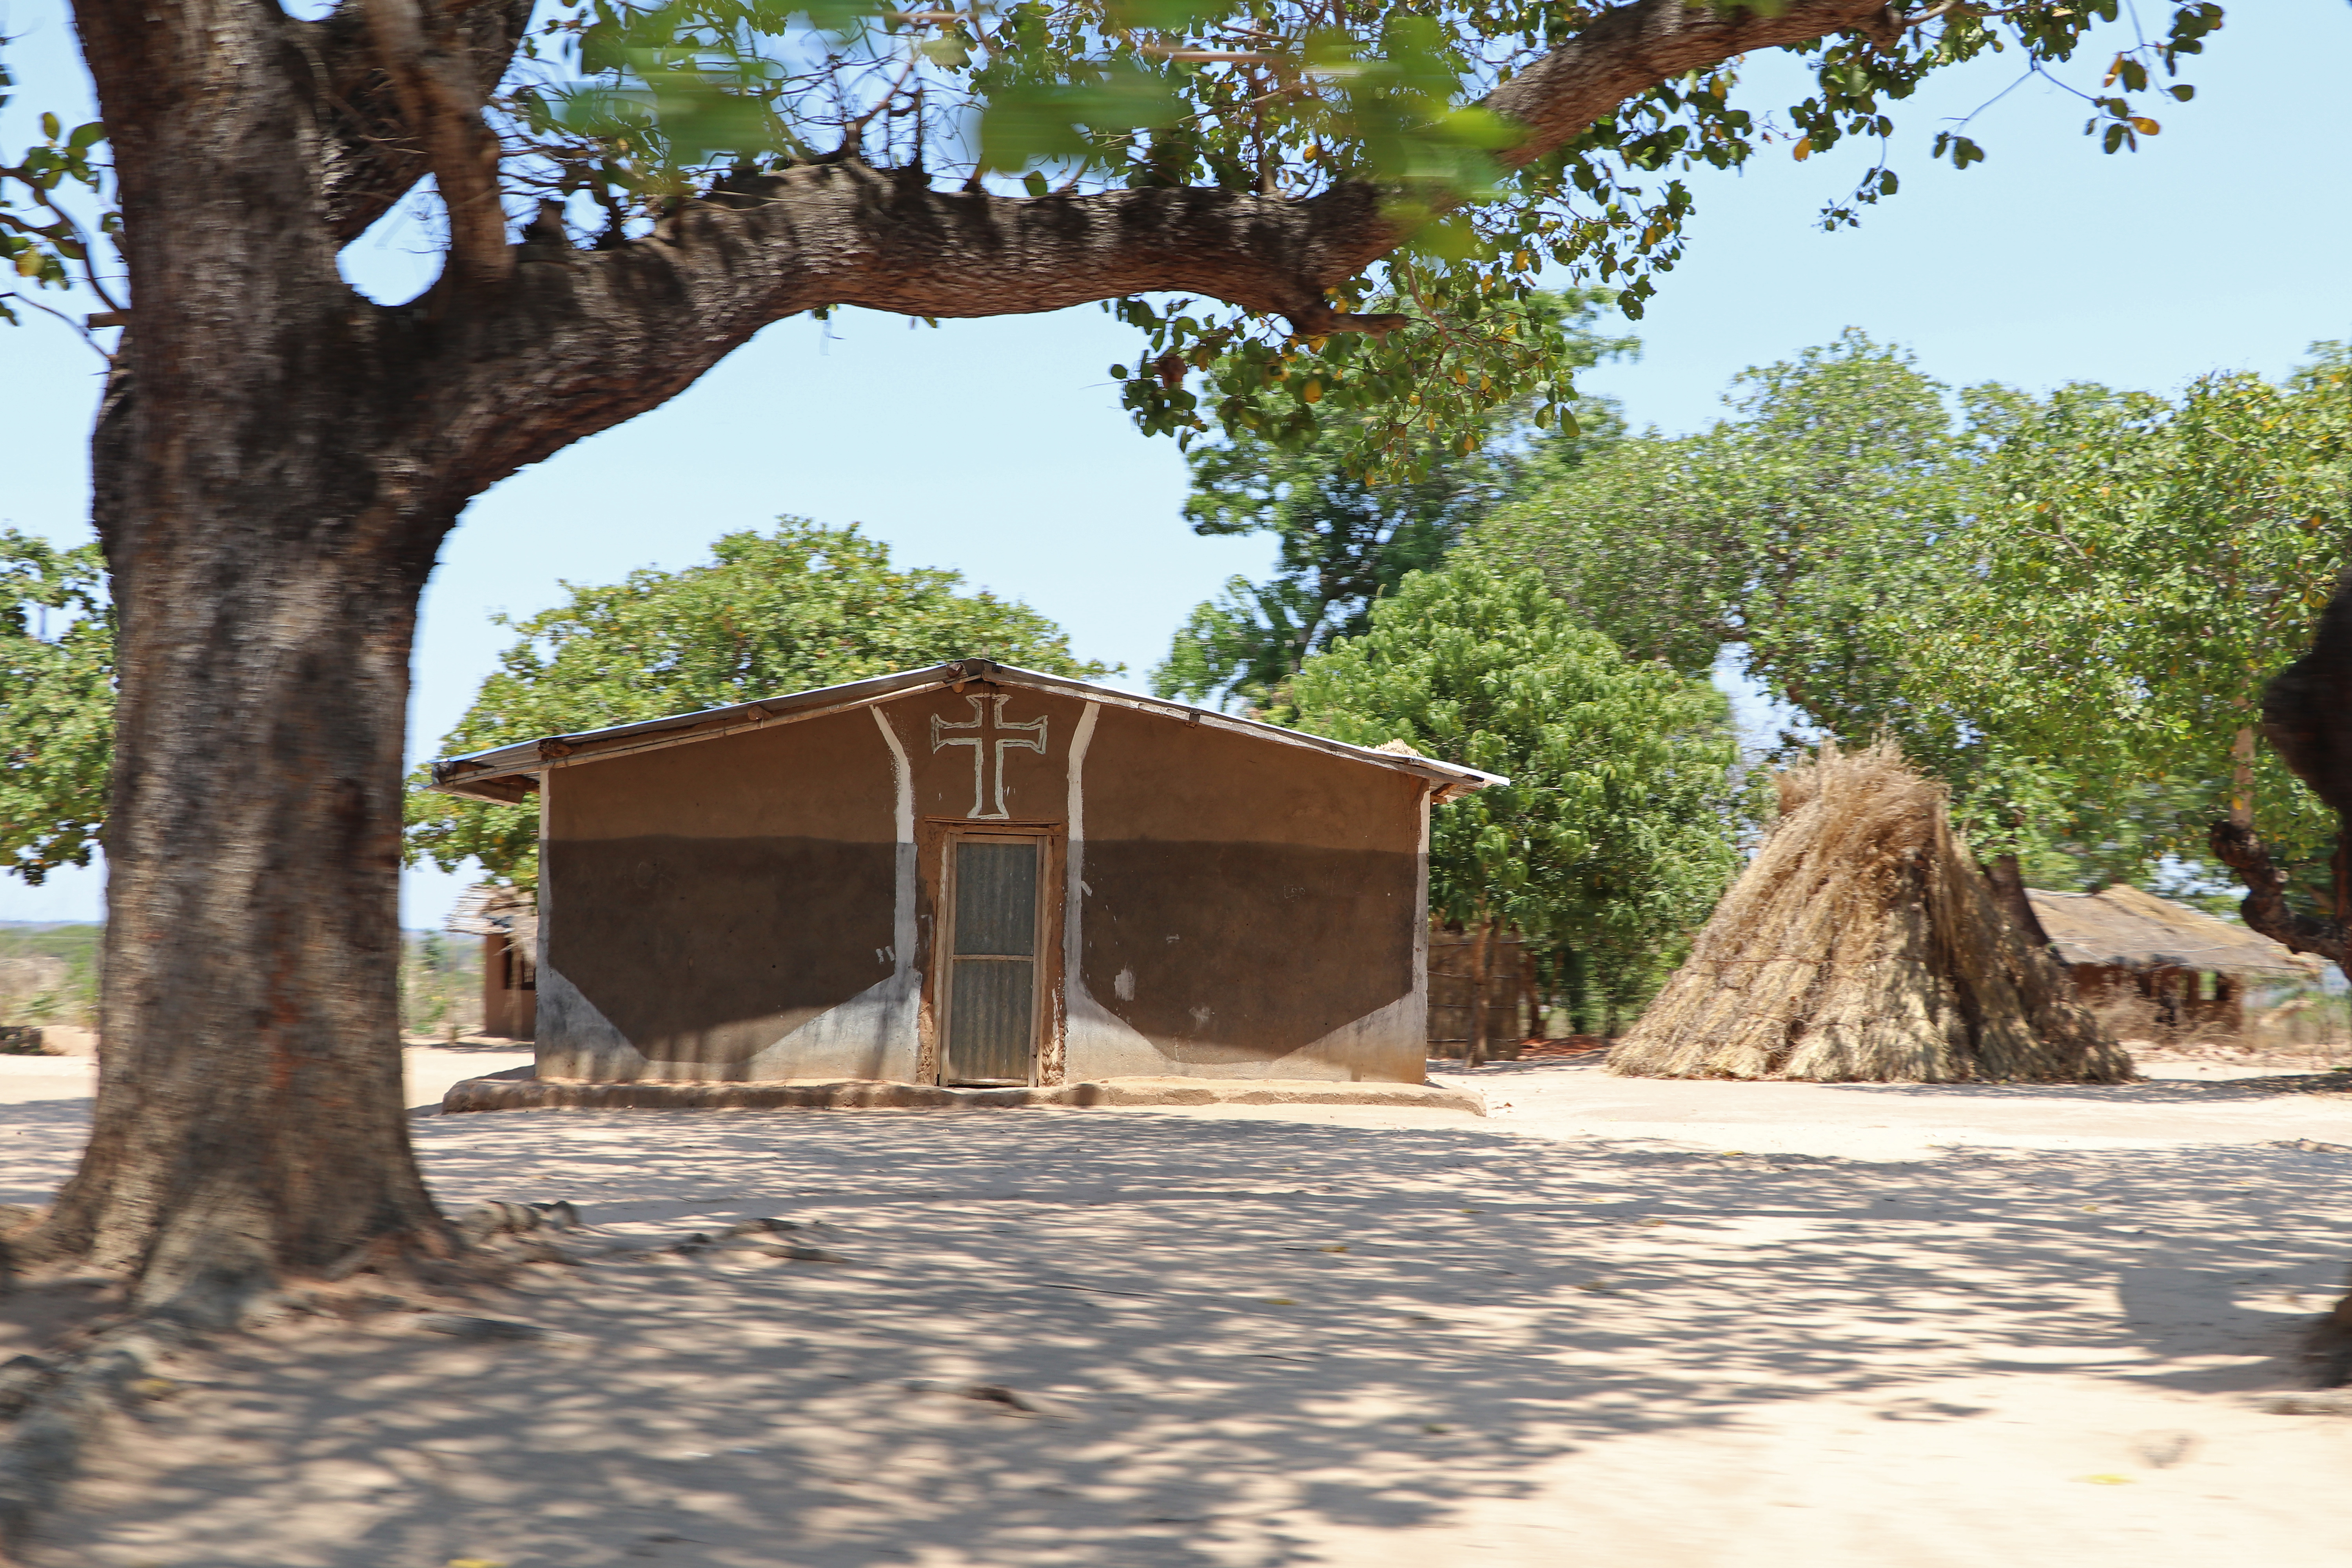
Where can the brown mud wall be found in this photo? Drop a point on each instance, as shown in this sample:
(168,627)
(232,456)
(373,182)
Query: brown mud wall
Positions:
(740,908)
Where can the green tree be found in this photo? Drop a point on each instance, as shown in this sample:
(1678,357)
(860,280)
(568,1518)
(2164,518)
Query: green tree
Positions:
(803,606)
(1782,534)
(1614,837)
(2064,607)
(2092,672)
(1345,537)
(57,703)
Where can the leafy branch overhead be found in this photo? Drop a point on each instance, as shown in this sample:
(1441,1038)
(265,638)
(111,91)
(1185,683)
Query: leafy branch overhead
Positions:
(1318,216)
(46,236)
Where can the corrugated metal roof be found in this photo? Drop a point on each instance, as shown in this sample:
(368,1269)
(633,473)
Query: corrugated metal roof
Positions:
(2135,930)
(507,773)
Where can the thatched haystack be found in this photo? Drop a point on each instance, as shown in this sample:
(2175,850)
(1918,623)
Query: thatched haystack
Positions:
(1863,943)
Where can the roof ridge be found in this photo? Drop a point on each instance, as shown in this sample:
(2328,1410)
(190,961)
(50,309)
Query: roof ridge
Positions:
(509,773)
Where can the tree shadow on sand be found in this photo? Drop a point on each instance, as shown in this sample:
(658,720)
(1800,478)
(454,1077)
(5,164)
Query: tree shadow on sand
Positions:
(1084,1338)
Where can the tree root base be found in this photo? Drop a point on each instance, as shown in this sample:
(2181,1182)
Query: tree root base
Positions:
(117,1362)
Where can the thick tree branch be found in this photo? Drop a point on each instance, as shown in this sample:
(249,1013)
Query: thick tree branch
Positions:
(1628,50)
(595,338)
(434,81)
(2265,908)
(586,339)
(370,157)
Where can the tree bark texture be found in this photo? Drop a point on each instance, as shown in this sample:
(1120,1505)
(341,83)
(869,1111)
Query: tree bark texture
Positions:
(2307,718)
(2266,908)
(277,459)
(269,511)
(2241,776)
(2007,882)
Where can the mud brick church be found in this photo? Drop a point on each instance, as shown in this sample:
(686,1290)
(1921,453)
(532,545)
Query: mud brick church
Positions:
(974,874)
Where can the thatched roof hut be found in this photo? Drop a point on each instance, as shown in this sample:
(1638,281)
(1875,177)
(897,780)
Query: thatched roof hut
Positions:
(2153,969)
(2124,928)
(1863,943)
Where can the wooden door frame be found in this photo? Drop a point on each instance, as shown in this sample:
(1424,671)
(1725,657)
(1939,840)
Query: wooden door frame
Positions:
(935,837)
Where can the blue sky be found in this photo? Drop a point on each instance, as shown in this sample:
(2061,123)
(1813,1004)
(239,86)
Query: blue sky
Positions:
(997,446)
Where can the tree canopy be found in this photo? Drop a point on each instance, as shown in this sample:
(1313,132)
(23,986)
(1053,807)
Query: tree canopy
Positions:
(2142,567)
(1468,150)
(2065,606)
(805,606)
(1780,531)
(1346,538)
(1614,837)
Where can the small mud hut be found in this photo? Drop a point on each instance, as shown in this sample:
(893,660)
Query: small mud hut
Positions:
(2158,970)
(507,920)
(1863,944)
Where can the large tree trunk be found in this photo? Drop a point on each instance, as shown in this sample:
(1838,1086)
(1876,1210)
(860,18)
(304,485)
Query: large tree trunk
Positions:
(249,1114)
(268,527)
(249,1109)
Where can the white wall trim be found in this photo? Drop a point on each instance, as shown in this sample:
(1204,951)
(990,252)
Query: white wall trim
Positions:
(902,921)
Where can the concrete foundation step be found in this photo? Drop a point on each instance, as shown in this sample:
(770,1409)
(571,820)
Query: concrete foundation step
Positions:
(502,1092)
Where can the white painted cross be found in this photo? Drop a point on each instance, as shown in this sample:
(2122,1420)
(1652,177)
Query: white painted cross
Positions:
(988,724)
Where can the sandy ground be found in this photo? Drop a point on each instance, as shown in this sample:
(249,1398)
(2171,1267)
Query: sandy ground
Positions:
(1615,1322)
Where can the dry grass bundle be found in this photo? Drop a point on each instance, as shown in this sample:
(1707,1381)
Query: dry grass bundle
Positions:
(1863,943)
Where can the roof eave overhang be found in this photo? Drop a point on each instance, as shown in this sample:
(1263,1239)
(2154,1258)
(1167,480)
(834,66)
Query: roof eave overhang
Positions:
(508,774)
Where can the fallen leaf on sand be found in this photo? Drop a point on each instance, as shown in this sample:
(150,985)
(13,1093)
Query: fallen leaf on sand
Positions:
(2106,1480)
(799,1253)
(996,1394)
(459,1325)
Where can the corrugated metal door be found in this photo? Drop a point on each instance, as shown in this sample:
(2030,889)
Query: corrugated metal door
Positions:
(992,1022)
